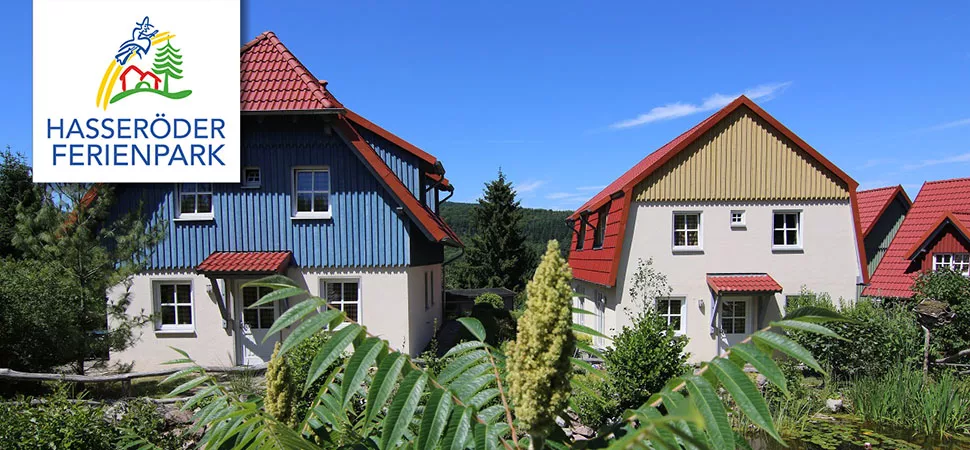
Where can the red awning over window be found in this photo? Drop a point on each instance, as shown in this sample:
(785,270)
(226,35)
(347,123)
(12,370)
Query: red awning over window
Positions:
(743,283)
(256,263)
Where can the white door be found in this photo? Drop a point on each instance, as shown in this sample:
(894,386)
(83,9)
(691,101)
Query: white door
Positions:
(253,326)
(736,320)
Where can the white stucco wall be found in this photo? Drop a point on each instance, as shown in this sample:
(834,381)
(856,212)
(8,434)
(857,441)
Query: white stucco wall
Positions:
(829,261)
(392,308)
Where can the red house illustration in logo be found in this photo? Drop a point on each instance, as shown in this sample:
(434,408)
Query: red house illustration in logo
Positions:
(141,78)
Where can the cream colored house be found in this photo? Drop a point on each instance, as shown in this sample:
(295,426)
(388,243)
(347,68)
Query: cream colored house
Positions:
(738,212)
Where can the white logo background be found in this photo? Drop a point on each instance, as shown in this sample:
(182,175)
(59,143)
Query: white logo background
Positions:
(74,41)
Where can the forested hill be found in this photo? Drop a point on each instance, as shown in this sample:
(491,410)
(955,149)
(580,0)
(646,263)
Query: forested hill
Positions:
(538,225)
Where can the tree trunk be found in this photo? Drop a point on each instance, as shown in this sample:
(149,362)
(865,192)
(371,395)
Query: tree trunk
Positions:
(926,350)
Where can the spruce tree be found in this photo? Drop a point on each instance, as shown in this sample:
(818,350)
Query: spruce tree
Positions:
(167,62)
(498,256)
(17,190)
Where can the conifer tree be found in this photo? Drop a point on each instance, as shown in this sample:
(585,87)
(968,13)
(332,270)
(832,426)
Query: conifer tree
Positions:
(167,62)
(498,256)
(17,190)
(279,388)
(539,364)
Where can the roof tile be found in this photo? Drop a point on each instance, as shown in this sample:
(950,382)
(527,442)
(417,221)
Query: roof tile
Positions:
(272,79)
(873,202)
(246,262)
(761,282)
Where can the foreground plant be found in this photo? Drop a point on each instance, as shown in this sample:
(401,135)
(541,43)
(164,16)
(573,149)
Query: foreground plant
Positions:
(374,397)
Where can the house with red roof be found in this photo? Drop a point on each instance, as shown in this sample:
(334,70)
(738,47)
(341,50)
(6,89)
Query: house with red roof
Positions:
(738,213)
(881,211)
(934,235)
(328,198)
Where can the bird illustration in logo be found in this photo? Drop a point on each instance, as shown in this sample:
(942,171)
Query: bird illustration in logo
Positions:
(140,42)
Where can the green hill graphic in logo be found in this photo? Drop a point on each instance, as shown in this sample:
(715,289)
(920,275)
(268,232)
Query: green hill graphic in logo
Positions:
(167,64)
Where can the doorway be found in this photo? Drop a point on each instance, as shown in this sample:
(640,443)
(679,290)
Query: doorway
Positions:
(735,320)
(253,326)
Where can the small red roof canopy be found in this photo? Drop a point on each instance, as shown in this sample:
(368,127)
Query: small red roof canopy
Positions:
(245,263)
(873,202)
(938,203)
(742,283)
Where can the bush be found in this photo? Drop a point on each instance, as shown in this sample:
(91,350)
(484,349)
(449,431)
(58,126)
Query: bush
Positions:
(952,288)
(489,298)
(879,338)
(593,411)
(643,357)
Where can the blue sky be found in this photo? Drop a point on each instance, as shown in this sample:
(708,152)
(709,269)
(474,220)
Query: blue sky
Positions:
(566,96)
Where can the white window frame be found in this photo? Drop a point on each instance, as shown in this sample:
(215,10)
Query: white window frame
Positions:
(252,184)
(599,309)
(293,194)
(579,301)
(674,231)
(157,302)
(799,230)
(740,223)
(179,215)
(259,318)
(360,300)
(667,314)
(744,315)
(951,262)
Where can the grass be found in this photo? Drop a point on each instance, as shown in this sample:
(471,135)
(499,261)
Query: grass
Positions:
(901,397)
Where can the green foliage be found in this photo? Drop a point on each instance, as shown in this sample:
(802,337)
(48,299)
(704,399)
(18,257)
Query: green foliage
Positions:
(952,288)
(371,396)
(496,255)
(902,397)
(75,232)
(17,192)
(539,363)
(62,422)
(279,400)
(877,337)
(593,405)
(489,298)
(643,357)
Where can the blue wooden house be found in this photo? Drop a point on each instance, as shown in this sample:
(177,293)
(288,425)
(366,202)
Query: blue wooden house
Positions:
(328,198)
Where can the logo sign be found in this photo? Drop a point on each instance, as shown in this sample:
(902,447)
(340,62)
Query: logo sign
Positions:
(136,91)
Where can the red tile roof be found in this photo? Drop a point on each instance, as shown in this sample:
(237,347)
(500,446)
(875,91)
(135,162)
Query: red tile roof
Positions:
(874,202)
(272,79)
(265,263)
(600,266)
(959,220)
(742,283)
(896,272)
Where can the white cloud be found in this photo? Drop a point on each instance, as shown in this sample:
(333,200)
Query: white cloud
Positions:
(528,186)
(955,159)
(559,195)
(716,101)
(953,124)
(591,188)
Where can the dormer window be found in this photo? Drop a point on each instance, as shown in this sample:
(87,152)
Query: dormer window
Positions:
(959,262)
(581,234)
(252,178)
(600,232)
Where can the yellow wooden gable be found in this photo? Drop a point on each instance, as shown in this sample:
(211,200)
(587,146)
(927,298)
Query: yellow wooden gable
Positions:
(742,158)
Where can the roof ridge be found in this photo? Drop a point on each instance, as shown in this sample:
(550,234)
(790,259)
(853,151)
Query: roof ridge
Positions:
(949,180)
(316,89)
(256,40)
(880,188)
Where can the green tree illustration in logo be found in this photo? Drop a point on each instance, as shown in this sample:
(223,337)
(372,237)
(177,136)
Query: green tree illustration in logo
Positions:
(168,61)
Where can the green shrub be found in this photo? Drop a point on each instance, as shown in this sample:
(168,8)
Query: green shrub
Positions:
(593,411)
(878,338)
(299,360)
(489,298)
(952,288)
(643,357)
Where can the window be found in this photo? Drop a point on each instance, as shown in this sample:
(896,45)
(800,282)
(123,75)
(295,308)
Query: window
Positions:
(687,230)
(600,233)
(260,317)
(195,201)
(737,219)
(173,300)
(672,310)
(787,230)
(252,178)
(428,289)
(579,301)
(734,317)
(959,262)
(311,193)
(599,302)
(345,296)
(581,235)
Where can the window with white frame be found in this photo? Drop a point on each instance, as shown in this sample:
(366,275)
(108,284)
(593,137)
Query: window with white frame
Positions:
(252,178)
(311,193)
(959,262)
(599,301)
(195,200)
(173,303)
(734,317)
(737,219)
(672,310)
(687,230)
(787,230)
(262,316)
(343,295)
(579,302)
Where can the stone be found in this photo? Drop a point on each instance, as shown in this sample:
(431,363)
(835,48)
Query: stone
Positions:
(834,404)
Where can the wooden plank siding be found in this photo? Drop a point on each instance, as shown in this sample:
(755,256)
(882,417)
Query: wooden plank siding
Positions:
(882,234)
(742,158)
(365,230)
(949,240)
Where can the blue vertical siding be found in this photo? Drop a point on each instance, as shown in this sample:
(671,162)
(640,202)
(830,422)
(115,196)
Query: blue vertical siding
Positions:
(365,230)
(404,164)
